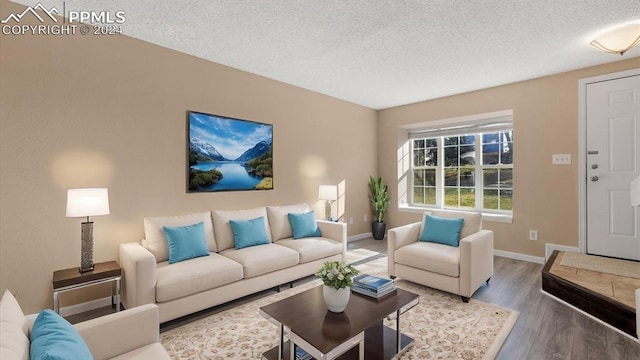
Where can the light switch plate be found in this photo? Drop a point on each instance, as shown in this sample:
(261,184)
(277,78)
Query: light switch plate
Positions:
(561,159)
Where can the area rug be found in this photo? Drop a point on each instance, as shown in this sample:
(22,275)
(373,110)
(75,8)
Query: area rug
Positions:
(442,325)
(602,264)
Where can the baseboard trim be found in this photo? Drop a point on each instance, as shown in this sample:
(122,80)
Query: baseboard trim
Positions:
(359,237)
(591,316)
(518,256)
(86,306)
(548,249)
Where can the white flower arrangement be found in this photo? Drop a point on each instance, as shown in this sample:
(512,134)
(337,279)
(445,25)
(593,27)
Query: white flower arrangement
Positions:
(337,274)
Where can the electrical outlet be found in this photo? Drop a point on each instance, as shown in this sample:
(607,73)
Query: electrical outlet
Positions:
(365,217)
(351,220)
(533,235)
(561,159)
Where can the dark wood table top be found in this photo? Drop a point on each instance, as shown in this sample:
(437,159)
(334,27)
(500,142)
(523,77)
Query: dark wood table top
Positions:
(73,276)
(307,316)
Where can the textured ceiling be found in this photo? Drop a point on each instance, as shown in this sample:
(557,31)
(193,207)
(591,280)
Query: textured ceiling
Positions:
(376,53)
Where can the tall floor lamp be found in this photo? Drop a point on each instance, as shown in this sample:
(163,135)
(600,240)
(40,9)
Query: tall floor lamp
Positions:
(87,202)
(329,193)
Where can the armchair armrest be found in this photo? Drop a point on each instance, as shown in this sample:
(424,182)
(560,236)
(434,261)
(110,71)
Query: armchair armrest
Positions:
(335,231)
(399,237)
(118,333)
(139,275)
(476,261)
(638,313)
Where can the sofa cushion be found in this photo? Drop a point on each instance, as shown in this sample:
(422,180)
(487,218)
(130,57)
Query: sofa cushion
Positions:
(248,232)
(441,230)
(182,279)
(14,329)
(153,351)
(262,259)
(279,221)
(156,242)
(186,242)
(472,220)
(54,338)
(222,229)
(304,225)
(10,311)
(312,248)
(14,345)
(433,257)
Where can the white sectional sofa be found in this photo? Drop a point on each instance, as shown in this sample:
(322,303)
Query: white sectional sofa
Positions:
(227,273)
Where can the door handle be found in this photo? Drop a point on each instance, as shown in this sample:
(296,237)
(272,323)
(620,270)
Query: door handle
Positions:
(594,178)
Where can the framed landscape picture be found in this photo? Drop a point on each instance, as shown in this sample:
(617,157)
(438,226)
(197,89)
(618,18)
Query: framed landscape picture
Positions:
(228,154)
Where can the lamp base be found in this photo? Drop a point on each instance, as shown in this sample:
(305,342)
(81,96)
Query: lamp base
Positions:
(82,271)
(327,210)
(86,247)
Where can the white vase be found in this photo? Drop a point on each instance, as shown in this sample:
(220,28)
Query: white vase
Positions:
(336,300)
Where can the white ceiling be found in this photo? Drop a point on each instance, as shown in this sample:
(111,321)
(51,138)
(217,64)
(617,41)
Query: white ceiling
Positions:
(376,53)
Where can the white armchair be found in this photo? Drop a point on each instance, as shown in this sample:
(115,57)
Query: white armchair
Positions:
(459,270)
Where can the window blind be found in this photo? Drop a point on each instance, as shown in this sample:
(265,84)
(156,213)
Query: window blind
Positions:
(459,128)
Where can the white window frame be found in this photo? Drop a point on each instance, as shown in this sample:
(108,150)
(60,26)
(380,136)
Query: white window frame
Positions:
(473,124)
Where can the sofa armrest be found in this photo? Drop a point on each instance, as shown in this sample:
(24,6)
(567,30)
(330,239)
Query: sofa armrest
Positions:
(335,231)
(139,275)
(399,237)
(476,261)
(118,333)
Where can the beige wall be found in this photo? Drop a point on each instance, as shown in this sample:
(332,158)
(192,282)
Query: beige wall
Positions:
(545,121)
(79,111)
(90,111)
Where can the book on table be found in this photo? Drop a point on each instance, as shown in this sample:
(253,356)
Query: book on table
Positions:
(372,294)
(373,283)
(373,286)
(302,355)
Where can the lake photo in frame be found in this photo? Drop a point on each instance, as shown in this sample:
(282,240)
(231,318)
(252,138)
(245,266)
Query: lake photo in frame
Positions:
(228,154)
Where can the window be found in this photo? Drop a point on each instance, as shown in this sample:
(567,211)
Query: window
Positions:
(463,167)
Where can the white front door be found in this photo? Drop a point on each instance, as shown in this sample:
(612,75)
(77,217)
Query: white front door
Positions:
(613,161)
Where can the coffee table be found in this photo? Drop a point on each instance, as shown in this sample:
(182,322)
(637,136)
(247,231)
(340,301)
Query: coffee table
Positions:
(306,322)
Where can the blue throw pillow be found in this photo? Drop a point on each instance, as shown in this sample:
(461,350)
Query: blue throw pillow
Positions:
(248,232)
(441,230)
(54,338)
(186,242)
(304,225)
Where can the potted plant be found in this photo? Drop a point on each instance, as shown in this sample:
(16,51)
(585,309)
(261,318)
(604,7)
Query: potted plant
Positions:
(380,201)
(337,278)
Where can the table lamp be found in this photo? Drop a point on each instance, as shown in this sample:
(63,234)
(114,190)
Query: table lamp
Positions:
(329,193)
(87,202)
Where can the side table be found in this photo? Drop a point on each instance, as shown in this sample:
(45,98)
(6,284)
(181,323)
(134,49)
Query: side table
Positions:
(72,279)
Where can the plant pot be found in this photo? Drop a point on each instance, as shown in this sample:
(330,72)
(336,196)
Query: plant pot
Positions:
(336,300)
(378,229)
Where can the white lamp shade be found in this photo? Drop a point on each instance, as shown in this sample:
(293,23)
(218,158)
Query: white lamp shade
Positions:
(328,192)
(635,192)
(87,202)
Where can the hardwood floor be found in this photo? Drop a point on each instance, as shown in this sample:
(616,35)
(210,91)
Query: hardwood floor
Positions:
(546,328)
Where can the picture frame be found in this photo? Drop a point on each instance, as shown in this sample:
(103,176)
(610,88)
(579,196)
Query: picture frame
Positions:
(228,154)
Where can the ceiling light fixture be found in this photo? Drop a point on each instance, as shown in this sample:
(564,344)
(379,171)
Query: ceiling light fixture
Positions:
(618,40)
